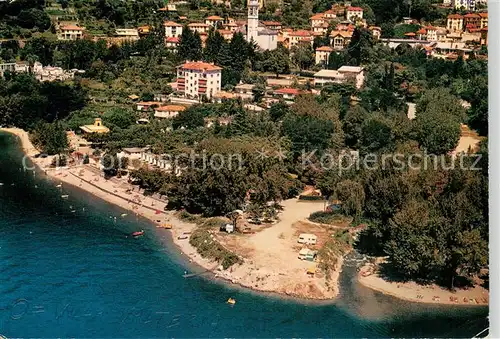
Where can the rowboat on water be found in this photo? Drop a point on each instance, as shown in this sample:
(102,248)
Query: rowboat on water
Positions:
(138,233)
(64,196)
(231,301)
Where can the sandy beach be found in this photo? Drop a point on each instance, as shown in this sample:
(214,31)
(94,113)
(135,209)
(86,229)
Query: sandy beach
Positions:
(270,257)
(270,262)
(414,292)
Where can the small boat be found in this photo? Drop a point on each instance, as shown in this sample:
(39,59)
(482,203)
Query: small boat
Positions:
(59,186)
(124,215)
(64,196)
(182,237)
(138,233)
(231,301)
(1,183)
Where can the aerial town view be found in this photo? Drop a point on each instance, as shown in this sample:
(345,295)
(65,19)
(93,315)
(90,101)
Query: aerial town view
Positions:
(244,168)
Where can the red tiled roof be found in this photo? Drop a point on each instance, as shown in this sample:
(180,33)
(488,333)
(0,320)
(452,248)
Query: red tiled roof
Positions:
(483,14)
(421,31)
(271,23)
(200,66)
(324,49)
(170,108)
(455,16)
(355,9)
(173,39)
(292,91)
(72,27)
(214,17)
(431,28)
(301,32)
(472,15)
(171,24)
(317,17)
(197,24)
(410,34)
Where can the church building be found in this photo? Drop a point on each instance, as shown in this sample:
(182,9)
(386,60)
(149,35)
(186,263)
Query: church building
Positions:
(266,39)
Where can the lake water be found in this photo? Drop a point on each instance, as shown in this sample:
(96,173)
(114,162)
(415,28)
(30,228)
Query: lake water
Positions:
(68,269)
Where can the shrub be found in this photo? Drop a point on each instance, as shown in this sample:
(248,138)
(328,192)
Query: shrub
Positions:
(208,247)
(311,198)
(186,216)
(326,217)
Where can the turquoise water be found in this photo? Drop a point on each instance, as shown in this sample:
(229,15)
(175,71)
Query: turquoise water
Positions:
(78,274)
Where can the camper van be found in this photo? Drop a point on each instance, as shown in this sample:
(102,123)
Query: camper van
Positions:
(307,254)
(306,238)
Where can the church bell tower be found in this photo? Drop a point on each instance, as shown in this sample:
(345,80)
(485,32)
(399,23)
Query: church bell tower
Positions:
(253,20)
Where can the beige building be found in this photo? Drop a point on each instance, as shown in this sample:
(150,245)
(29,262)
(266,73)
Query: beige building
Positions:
(214,20)
(342,75)
(376,32)
(300,37)
(455,22)
(484,19)
(168,111)
(431,33)
(354,14)
(199,27)
(70,32)
(472,21)
(172,29)
(97,127)
(340,39)
(322,54)
(317,20)
(197,79)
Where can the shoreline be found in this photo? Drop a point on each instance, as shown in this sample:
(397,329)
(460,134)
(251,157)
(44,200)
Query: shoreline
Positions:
(425,294)
(246,275)
(242,275)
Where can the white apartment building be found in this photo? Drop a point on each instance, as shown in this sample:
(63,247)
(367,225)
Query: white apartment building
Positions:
(468,5)
(70,32)
(168,111)
(354,14)
(214,20)
(322,54)
(199,27)
(342,75)
(432,33)
(197,79)
(172,29)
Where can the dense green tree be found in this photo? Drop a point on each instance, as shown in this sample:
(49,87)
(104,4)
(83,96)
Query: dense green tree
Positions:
(438,119)
(278,111)
(190,118)
(190,45)
(336,60)
(31,18)
(360,47)
(214,44)
(353,124)
(42,48)
(119,117)
(303,56)
(352,196)
(376,134)
(277,61)
(50,138)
